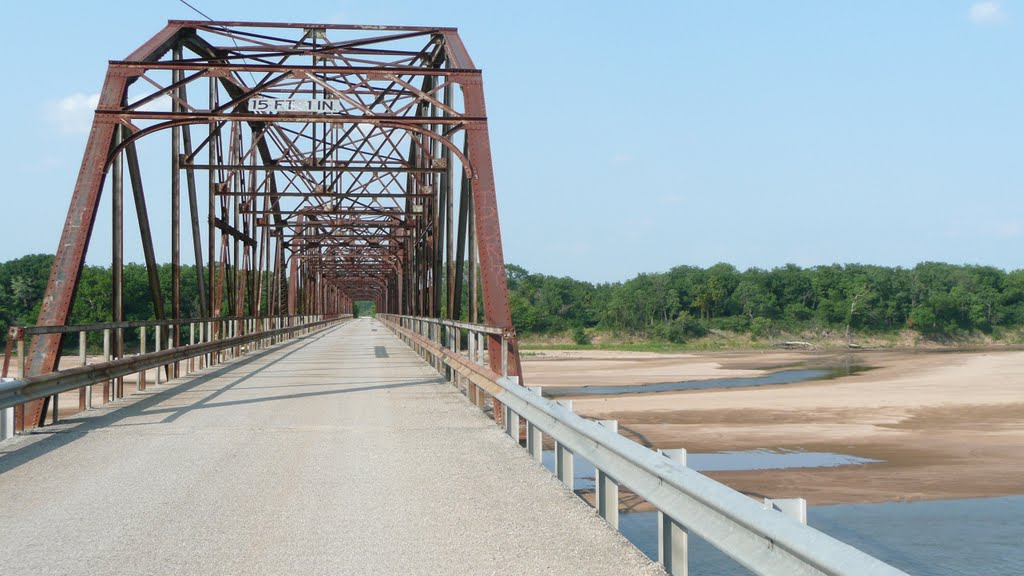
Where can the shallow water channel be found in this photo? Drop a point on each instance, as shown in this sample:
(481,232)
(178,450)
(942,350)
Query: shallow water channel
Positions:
(780,377)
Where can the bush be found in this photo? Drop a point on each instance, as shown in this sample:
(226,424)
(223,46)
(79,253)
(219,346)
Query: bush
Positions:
(760,327)
(731,323)
(580,336)
(681,329)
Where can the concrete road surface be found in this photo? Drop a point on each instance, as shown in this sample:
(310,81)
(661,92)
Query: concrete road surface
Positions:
(339,453)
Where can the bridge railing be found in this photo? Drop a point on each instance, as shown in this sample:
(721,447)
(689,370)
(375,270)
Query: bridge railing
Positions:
(210,341)
(760,538)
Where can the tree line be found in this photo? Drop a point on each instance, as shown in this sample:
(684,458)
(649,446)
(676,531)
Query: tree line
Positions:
(934,299)
(23,283)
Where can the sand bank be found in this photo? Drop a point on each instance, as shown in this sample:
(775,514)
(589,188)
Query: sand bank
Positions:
(947,425)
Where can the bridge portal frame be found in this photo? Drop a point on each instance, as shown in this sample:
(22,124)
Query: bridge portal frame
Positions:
(397,117)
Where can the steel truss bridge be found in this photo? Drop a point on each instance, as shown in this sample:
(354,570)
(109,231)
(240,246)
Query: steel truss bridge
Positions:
(312,167)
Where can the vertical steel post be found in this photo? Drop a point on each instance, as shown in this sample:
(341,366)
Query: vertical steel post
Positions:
(565,459)
(117,252)
(607,490)
(176,76)
(158,333)
(85,393)
(673,545)
(534,436)
(141,384)
(107,384)
(211,229)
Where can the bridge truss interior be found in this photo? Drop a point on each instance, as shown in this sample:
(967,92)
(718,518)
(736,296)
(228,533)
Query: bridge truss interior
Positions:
(310,166)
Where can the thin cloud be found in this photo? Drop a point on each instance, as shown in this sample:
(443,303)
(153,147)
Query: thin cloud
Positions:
(987,12)
(73,114)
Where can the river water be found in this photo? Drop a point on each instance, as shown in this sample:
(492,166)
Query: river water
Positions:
(979,536)
(781,377)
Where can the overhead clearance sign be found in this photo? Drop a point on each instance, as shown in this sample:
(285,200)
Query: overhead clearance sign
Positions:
(318,106)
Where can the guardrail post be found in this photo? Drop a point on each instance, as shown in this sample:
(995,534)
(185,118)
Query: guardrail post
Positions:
(673,538)
(512,424)
(56,409)
(534,436)
(6,419)
(606,489)
(141,384)
(106,358)
(795,508)
(565,460)
(85,395)
(191,342)
(481,398)
(456,345)
(159,345)
(119,381)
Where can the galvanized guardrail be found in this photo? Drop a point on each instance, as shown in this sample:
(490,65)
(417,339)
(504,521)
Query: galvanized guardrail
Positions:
(219,339)
(758,537)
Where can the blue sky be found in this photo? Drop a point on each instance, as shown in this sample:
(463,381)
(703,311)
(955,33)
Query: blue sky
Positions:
(633,137)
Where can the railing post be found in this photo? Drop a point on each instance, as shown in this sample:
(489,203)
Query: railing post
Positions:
(141,384)
(512,424)
(106,358)
(6,421)
(534,436)
(606,489)
(673,545)
(209,338)
(191,342)
(457,343)
(564,457)
(159,345)
(85,395)
(119,382)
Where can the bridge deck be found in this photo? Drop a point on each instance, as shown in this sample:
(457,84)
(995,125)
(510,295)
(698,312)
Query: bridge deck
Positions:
(339,453)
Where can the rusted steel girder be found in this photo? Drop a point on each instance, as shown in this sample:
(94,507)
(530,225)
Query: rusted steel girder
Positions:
(341,163)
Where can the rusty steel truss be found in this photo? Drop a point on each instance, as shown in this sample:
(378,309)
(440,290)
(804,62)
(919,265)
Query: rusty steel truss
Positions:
(318,165)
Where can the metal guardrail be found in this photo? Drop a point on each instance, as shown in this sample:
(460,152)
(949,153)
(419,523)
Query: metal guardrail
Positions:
(242,335)
(760,538)
(75,328)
